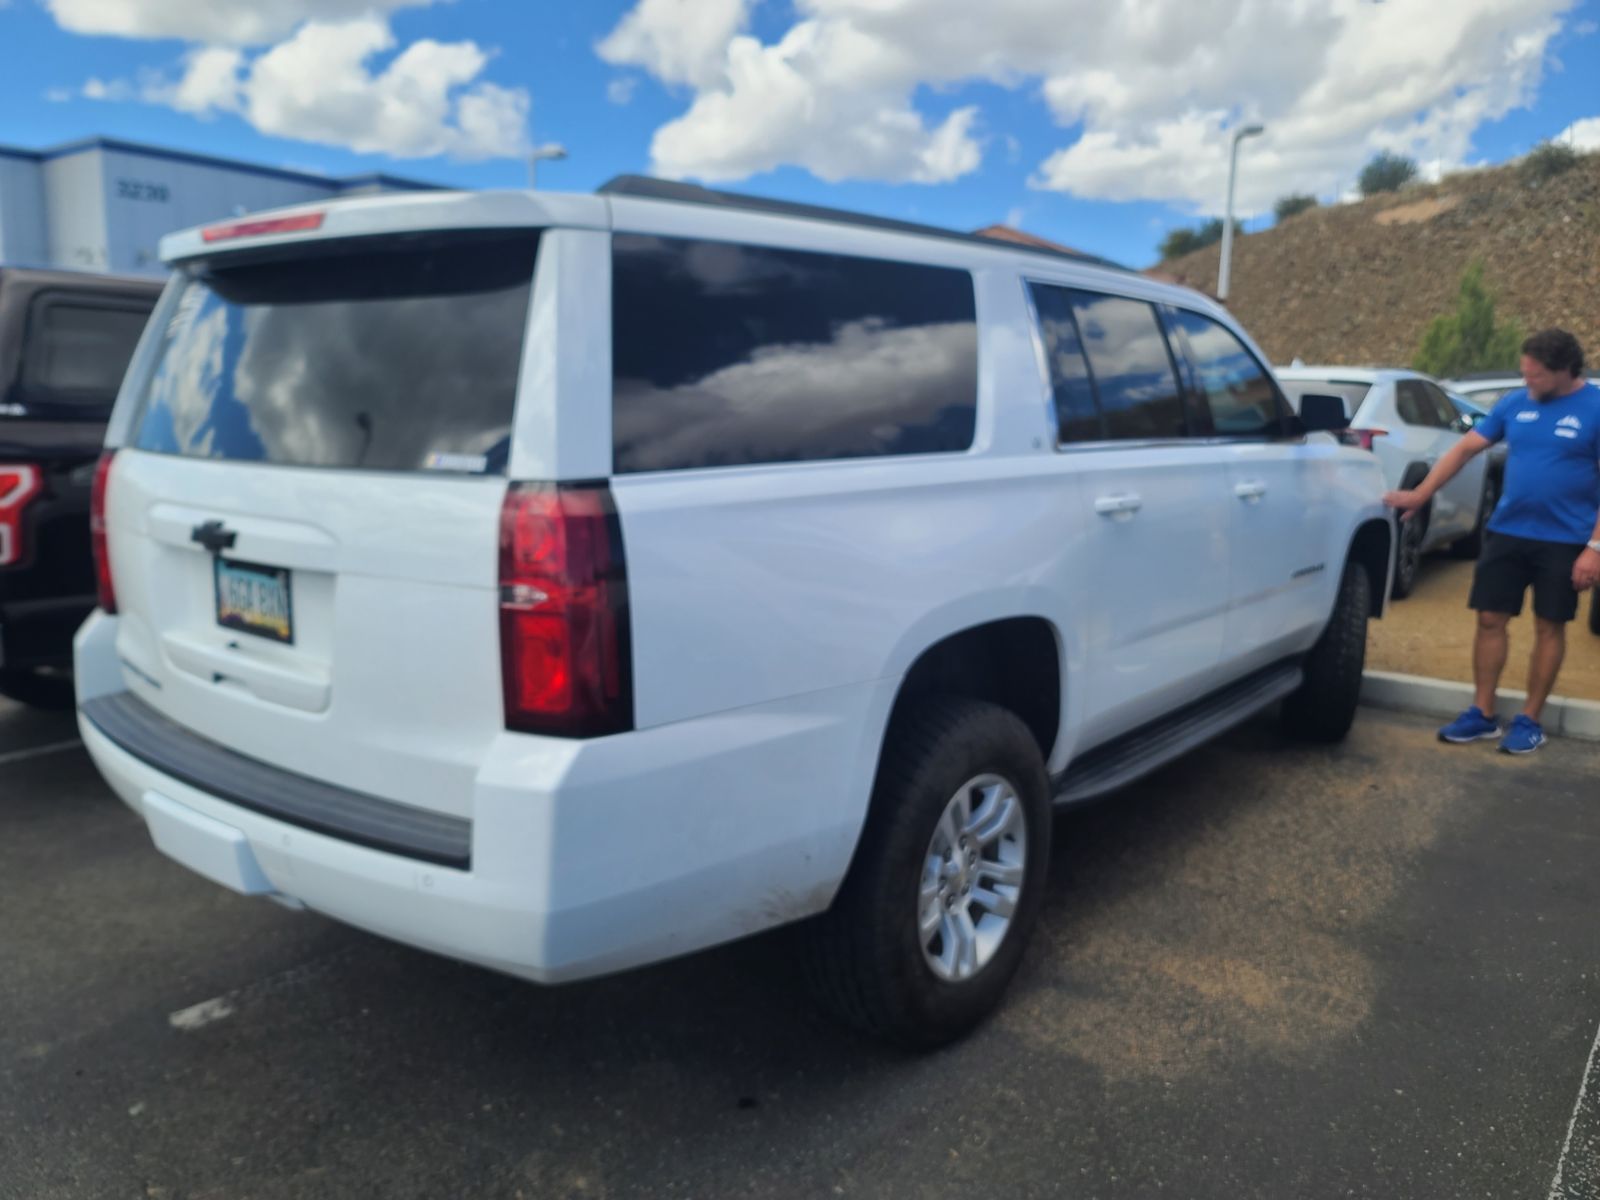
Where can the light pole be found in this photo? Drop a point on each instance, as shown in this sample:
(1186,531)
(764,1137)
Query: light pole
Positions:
(1225,268)
(551,152)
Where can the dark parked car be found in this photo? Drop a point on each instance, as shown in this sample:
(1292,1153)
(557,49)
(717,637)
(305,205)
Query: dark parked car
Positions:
(65,340)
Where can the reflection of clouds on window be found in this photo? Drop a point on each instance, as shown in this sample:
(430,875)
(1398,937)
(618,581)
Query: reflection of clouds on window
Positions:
(323,363)
(854,395)
(1132,371)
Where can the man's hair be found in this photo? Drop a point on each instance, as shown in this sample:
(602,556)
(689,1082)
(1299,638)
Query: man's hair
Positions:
(1556,349)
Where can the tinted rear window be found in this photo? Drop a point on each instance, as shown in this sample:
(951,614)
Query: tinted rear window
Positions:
(392,354)
(78,350)
(1132,368)
(727,354)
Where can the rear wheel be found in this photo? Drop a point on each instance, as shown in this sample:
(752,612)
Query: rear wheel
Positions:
(1408,554)
(38,689)
(1323,708)
(933,917)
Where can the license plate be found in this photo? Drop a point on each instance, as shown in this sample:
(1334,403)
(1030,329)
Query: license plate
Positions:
(254,599)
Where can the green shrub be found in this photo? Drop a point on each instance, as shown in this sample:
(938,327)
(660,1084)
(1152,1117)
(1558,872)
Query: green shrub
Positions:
(1546,161)
(1386,173)
(1292,206)
(1470,338)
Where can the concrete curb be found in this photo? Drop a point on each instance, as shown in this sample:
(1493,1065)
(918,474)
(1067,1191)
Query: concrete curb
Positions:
(1563,716)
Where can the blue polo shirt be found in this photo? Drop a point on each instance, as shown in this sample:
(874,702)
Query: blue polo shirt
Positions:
(1552,484)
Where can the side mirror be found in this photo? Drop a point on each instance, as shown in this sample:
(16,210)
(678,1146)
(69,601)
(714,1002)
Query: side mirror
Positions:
(1323,414)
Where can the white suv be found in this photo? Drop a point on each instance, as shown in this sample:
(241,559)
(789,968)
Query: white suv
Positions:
(564,583)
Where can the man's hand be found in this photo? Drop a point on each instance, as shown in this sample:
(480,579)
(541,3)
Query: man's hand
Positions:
(1406,502)
(1586,571)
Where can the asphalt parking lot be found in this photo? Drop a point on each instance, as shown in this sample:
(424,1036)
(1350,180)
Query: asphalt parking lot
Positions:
(1270,971)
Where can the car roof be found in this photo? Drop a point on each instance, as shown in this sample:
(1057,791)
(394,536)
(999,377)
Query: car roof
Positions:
(633,204)
(1368,375)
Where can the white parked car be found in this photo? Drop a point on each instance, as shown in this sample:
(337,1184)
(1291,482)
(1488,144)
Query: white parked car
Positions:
(565,583)
(1409,422)
(1485,388)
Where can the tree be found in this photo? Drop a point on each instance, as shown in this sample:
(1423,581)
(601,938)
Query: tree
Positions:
(1387,173)
(1292,205)
(1179,242)
(1547,160)
(1469,339)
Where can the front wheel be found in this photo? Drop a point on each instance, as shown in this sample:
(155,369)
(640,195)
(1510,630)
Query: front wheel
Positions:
(932,919)
(1472,545)
(1323,708)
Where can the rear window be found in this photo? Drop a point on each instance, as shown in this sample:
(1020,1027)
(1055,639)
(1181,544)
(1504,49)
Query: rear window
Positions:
(1353,393)
(729,354)
(78,350)
(392,354)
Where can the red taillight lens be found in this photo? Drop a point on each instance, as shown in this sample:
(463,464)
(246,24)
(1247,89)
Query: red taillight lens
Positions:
(564,653)
(97,533)
(1361,437)
(300,223)
(19,484)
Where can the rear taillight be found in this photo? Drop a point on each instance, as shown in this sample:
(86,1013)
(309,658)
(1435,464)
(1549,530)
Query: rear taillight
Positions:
(261,227)
(1361,437)
(565,662)
(97,534)
(19,484)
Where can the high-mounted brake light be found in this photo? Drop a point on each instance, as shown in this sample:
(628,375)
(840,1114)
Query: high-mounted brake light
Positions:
(97,533)
(19,484)
(566,665)
(302,223)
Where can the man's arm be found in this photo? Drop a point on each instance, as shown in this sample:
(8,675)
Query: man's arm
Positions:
(1586,571)
(1446,469)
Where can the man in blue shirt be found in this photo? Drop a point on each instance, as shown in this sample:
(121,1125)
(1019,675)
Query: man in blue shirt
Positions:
(1544,534)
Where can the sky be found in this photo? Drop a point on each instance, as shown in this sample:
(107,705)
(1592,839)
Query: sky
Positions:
(1099,125)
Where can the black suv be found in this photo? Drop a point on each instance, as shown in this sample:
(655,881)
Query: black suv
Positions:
(65,340)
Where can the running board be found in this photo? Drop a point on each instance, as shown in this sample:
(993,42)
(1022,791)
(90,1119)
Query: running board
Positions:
(1125,759)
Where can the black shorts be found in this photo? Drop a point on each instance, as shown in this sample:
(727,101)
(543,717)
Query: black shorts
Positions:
(1510,565)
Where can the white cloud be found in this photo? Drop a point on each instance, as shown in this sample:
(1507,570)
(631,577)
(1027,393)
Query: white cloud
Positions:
(319,86)
(1581,135)
(1585,28)
(225,22)
(620,91)
(55,95)
(1150,91)
(678,41)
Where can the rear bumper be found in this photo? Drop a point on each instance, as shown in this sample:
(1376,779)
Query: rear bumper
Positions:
(38,633)
(585,857)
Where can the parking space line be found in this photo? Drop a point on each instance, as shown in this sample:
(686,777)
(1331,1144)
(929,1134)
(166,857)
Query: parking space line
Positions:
(38,751)
(198,1015)
(1583,1165)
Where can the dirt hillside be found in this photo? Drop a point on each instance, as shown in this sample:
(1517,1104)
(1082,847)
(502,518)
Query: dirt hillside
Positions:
(1358,283)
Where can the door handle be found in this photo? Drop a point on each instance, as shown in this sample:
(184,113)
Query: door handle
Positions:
(1111,506)
(1250,492)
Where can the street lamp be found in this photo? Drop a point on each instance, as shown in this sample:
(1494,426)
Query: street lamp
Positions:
(550,151)
(1227,221)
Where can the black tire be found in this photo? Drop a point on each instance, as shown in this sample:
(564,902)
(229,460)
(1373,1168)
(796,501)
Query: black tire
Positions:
(864,957)
(1323,708)
(1594,612)
(37,689)
(1472,545)
(1408,554)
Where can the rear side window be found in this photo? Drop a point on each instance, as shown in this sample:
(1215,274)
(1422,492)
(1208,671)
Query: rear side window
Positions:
(1077,414)
(77,350)
(1133,373)
(727,354)
(1238,391)
(1416,406)
(395,354)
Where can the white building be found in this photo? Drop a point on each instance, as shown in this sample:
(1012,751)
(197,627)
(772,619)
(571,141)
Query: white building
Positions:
(102,205)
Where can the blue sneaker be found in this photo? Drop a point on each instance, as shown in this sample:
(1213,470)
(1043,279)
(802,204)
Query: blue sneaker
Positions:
(1470,726)
(1524,737)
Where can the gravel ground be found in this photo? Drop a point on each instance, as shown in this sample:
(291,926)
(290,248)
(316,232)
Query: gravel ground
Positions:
(1430,633)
